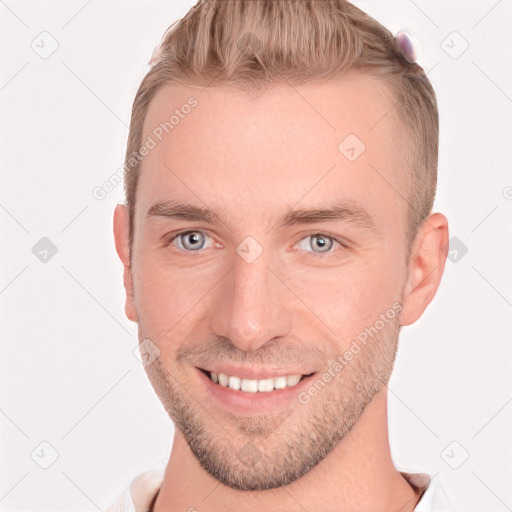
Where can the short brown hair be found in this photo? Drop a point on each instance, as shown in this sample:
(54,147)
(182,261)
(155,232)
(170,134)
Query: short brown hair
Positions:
(250,44)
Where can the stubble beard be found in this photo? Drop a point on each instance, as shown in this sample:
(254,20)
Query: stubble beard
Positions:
(267,451)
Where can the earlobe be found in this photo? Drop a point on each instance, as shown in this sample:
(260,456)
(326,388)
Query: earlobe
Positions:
(426,267)
(121,240)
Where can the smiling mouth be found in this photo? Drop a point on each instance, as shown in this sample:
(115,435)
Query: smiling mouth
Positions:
(255,385)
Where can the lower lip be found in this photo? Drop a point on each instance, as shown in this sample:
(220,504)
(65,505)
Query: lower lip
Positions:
(242,402)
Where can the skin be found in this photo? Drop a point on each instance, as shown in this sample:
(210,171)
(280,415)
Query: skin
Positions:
(252,159)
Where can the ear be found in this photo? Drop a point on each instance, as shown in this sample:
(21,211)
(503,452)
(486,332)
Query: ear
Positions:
(121,239)
(425,267)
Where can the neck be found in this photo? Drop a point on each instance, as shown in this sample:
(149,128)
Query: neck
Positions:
(358,475)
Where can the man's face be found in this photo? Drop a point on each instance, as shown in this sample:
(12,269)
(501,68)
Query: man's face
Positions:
(253,292)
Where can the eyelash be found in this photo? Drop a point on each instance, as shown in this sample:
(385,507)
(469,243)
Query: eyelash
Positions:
(322,255)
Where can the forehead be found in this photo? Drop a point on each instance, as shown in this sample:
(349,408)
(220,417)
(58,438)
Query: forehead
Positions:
(268,151)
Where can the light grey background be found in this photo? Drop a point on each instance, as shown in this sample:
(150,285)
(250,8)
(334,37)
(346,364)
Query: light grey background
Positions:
(68,374)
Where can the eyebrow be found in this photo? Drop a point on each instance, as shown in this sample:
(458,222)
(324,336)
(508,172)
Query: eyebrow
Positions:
(339,211)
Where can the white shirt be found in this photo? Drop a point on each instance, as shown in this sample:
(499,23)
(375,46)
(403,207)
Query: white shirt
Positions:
(139,494)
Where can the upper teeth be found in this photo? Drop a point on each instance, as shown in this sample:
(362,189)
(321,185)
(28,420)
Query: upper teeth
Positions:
(254,385)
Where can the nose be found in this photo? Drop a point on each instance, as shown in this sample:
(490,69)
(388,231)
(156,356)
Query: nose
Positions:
(252,306)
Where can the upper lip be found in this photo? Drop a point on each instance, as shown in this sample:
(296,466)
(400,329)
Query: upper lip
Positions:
(246,372)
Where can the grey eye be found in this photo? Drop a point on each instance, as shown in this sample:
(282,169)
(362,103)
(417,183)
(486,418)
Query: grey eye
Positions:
(192,240)
(321,242)
(324,243)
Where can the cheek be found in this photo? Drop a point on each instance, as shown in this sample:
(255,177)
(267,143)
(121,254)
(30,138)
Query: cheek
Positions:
(345,300)
(161,296)
(168,296)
